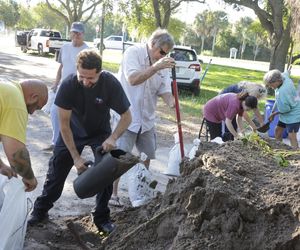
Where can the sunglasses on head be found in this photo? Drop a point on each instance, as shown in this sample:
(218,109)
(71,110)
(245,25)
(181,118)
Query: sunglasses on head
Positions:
(162,52)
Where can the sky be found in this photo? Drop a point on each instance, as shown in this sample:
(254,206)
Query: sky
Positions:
(189,10)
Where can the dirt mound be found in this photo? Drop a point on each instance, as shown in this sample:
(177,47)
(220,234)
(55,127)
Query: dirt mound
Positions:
(230,196)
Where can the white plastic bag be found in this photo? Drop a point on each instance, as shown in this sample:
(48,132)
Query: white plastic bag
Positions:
(13,214)
(174,158)
(196,143)
(114,119)
(50,102)
(139,180)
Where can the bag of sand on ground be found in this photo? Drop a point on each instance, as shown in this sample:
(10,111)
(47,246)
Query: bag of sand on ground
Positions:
(13,213)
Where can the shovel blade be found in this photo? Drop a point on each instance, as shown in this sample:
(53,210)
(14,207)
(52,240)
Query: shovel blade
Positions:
(264,128)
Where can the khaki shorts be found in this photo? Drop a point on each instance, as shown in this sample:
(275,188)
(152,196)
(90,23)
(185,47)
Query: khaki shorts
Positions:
(145,142)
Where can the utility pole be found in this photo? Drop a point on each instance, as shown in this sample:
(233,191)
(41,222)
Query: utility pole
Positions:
(102,28)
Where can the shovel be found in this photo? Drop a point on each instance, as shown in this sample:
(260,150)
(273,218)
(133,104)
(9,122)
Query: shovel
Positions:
(266,127)
(175,92)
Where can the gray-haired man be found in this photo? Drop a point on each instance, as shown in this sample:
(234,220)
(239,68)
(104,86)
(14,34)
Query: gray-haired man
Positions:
(145,76)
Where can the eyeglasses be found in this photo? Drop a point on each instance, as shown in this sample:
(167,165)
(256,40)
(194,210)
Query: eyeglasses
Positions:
(162,52)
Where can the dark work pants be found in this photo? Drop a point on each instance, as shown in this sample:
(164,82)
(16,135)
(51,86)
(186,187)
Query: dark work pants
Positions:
(227,136)
(215,129)
(60,165)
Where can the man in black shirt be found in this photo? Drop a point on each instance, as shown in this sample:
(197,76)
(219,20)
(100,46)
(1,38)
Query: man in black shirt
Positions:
(84,102)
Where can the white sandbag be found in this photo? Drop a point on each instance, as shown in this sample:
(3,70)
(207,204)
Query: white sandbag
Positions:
(217,140)
(3,181)
(139,179)
(196,143)
(174,158)
(13,215)
(50,102)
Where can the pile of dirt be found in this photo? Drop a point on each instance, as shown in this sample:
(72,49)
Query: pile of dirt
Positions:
(228,197)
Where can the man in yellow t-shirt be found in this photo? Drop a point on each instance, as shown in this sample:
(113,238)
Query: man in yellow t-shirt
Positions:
(17,100)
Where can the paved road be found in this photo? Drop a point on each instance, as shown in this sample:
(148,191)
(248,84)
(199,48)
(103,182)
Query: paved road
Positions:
(16,65)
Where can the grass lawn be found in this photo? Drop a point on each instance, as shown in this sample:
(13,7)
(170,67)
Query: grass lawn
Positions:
(217,78)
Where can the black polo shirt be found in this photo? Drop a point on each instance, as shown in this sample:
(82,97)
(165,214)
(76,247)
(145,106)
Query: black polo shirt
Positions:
(91,106)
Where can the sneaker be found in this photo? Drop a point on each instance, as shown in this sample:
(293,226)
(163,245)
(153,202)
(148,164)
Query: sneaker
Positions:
(36,219)
(115,201)
(106,227)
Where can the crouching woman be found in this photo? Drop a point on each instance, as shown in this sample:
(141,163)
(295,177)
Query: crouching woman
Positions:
(227,107)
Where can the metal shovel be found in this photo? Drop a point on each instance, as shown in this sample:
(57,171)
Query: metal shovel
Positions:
(266,126)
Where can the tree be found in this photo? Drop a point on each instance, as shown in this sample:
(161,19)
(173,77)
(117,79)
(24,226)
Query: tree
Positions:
(242,33)
(26,21)
(45,18)
(295,10)
(9,12)
(164,8)
(160,10)
(258,37)
(74,10)
(202,26)
(220,20)
(276,19)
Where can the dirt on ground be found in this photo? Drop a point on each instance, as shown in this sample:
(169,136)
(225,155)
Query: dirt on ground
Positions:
(230,196)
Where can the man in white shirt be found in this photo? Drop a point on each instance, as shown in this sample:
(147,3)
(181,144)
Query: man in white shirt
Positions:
(145,75)
(67,59)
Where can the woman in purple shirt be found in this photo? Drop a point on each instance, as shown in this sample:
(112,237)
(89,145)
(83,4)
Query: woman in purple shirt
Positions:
(226,107)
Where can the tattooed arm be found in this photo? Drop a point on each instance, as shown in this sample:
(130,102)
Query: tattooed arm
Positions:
(19,160)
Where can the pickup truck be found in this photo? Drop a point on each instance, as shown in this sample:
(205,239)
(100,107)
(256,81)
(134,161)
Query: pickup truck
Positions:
(41,40)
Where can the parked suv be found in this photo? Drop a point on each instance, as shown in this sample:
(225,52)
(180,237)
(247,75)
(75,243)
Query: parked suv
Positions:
(188,68)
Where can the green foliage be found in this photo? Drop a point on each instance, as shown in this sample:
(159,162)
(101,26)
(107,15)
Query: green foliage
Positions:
(45,18)
(177,28)
(254,140)
(27,21)
(9,12)
(140,21)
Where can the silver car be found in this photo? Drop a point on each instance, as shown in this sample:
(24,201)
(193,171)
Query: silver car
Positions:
(188,68)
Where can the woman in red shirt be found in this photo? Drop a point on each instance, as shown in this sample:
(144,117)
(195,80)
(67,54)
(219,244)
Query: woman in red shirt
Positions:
(227,107)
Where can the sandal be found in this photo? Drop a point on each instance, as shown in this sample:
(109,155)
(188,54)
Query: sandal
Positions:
(115,201)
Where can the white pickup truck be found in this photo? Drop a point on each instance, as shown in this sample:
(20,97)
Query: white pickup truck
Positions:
(43,41)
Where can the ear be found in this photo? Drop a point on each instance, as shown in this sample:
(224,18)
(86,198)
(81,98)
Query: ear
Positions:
(33,98)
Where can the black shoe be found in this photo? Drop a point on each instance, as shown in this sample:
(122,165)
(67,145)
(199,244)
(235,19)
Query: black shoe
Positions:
(106,228)
(36,219)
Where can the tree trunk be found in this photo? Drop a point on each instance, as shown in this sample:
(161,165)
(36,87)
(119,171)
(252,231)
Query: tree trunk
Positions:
(213,44)
(255,50)
(157,13)
(202,43)
(280,49)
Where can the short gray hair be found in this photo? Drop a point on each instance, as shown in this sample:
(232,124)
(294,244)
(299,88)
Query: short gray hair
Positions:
(161,37)
(273,76)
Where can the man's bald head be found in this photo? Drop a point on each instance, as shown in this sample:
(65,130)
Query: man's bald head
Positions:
(35,94)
